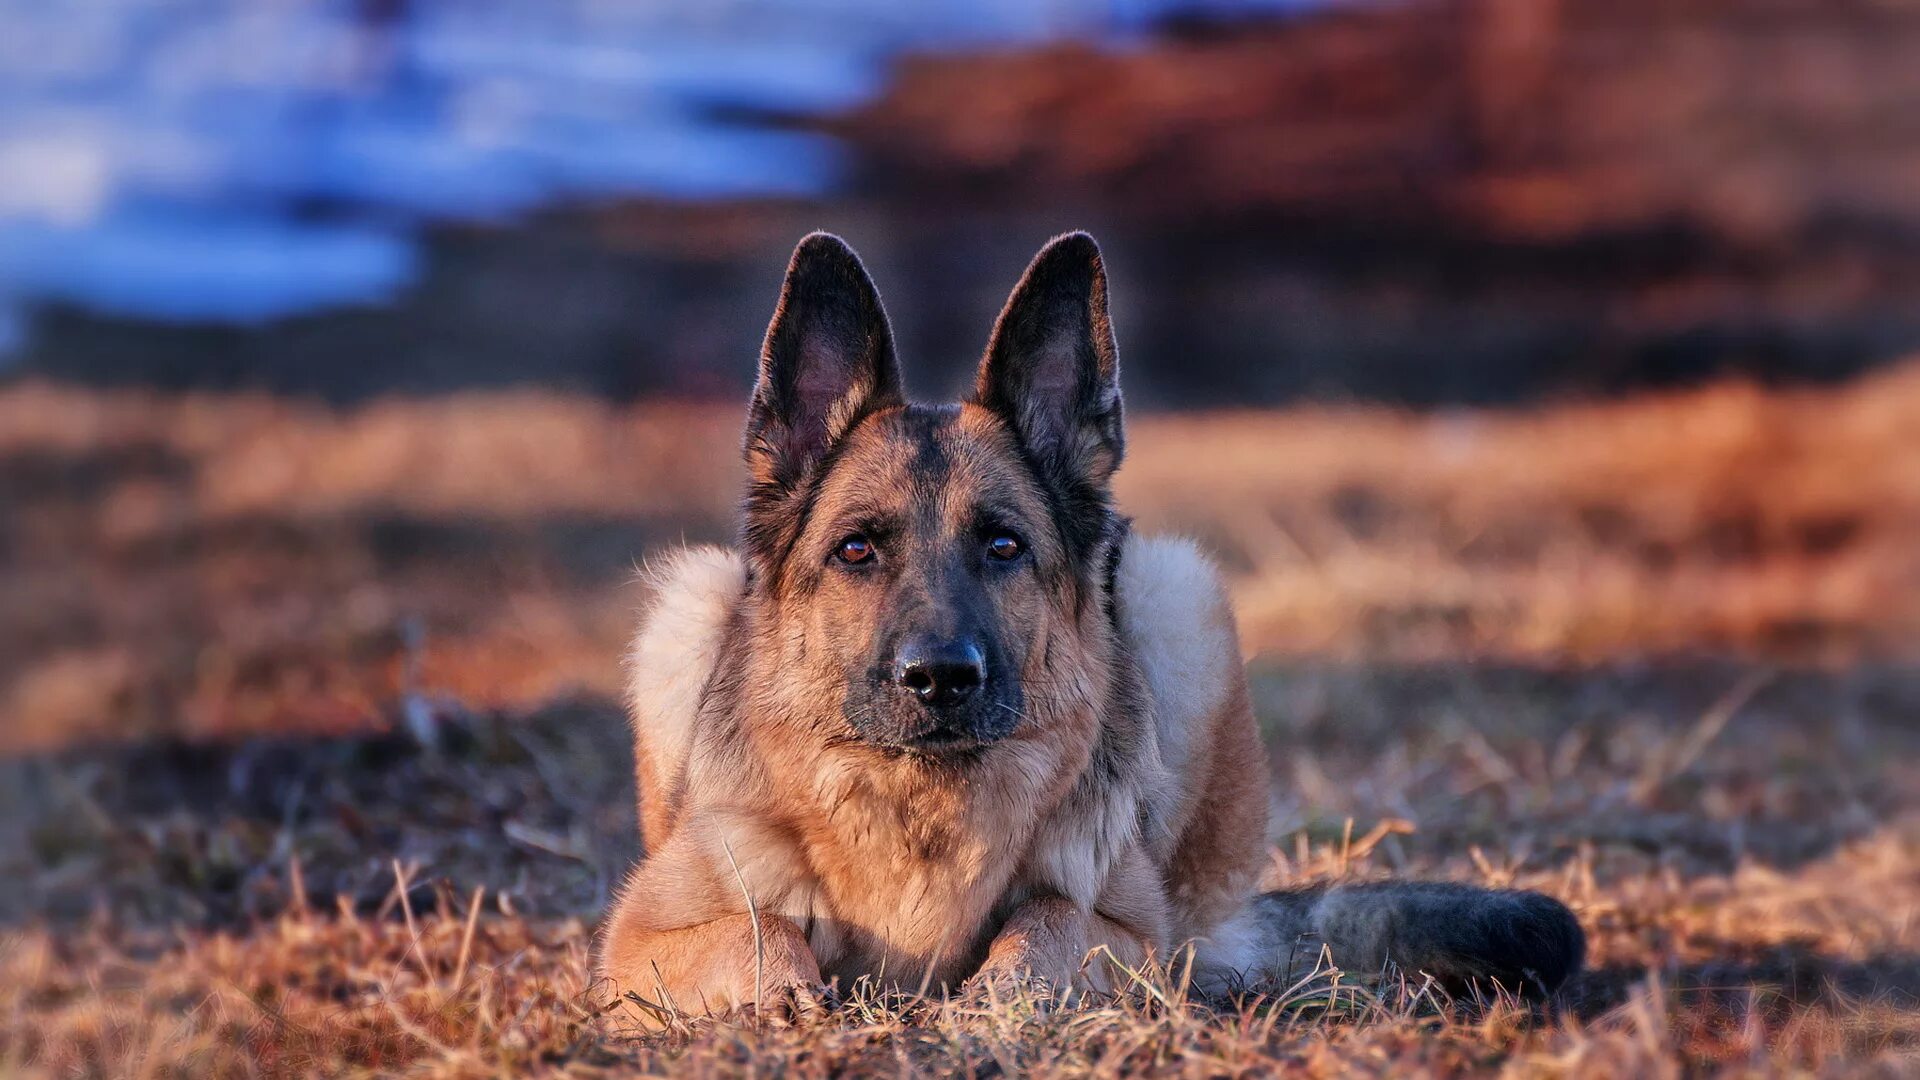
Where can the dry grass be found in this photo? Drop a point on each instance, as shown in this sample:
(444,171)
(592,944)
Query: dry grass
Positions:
(259,660)
(234,909)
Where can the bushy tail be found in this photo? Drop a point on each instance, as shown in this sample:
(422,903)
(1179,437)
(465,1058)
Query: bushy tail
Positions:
(1459,934)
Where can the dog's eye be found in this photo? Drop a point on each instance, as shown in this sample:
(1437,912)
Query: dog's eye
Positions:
(1004,546)
(854,549)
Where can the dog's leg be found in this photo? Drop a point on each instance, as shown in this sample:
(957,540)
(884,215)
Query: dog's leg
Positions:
(1056,941)
(1459,934)
(1052,938)
(713,967)
(688,934)
(1045,938)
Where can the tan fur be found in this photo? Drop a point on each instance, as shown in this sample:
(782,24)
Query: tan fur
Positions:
(693,594)
(891,873)
(1097,781)
(718,965)
(940,719)
(1180,626)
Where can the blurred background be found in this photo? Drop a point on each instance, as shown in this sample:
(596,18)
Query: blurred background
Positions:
(1542,372)
(1461,201)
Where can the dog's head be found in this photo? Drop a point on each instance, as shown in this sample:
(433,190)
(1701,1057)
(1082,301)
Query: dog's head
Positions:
(931,567)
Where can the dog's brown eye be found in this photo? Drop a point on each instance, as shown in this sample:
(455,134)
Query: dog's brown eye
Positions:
(854,549)
(1004,546)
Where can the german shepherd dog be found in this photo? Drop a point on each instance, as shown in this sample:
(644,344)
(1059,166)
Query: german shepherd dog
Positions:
(940,720)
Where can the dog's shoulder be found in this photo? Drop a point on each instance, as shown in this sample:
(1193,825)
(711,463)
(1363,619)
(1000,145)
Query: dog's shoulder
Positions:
(692,595)
(1175,616)
(1178,624)
(1166,580)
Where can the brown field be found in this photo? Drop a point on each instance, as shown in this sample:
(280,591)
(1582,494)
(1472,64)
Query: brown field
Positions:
(312,766)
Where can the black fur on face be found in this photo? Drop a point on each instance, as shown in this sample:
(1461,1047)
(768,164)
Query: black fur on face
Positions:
(956,557)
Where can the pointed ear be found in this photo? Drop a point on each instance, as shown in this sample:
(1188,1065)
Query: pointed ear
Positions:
(1052,370)
(827,362)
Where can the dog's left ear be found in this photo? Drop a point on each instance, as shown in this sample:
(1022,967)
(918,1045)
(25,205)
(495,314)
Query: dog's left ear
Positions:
(827,361)
(1052,370)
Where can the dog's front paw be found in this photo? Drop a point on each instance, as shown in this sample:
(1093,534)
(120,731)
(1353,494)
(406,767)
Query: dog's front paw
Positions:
(1034,959)
(782,1000)
(792,1004)
(1003,984)
(719,968)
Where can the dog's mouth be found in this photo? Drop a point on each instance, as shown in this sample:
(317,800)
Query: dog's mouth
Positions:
(945,741)
(915,729)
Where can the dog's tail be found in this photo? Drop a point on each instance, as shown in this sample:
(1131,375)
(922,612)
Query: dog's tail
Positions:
(1462,936)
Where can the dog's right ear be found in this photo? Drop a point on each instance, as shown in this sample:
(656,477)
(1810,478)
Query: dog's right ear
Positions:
(828,361)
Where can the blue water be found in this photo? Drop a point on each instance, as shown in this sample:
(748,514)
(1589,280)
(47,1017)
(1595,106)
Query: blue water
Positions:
(245,160)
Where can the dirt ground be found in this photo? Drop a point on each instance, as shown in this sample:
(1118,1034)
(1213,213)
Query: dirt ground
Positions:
(313,763)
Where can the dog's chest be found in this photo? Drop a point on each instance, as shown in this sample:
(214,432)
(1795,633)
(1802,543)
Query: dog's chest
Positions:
(908,885)
(905,919)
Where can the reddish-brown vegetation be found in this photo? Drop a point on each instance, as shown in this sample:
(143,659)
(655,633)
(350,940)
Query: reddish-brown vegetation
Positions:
(1530,120)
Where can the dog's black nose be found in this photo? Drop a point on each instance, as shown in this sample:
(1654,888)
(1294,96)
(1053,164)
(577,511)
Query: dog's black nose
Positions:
(940,673)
